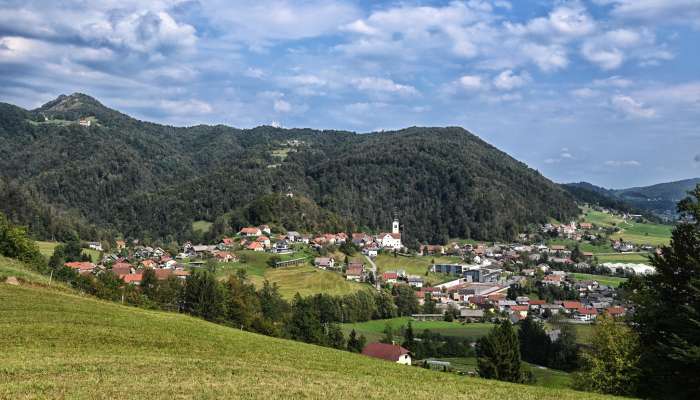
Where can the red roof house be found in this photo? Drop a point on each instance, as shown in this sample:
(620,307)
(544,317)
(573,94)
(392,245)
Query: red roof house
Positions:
(388,352)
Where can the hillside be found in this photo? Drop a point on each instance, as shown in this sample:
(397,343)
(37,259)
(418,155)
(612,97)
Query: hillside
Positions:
(659,199)
(139,179)
(61,345)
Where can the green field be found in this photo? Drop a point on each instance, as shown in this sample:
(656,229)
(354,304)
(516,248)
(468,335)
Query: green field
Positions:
(307,281)
(638,233)
(373,330)
(546,377)
(61,345)
(415,266)
(633,258)
(46,248)
(201,226)
(584,246)
(612,281)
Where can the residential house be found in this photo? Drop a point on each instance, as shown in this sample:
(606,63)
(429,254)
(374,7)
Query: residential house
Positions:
(81,267)
(265,229)
(133,279)
(390,277)
(121,245)
(250,231)
(255,246)
(264,240)
(324,262)
(467,314)
(585,314)
(95,246)
(355,272)
(415,281)
(225,256)
(553,280)
(389,352)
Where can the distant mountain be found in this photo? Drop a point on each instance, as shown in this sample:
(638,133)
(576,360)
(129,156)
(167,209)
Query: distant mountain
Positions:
(124,176)
(659,199)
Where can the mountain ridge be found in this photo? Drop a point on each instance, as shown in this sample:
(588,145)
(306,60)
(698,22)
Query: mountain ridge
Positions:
(143,179)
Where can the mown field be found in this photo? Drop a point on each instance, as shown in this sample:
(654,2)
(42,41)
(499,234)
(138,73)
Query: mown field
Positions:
(546,377)
(46,248)
(304,279)
(373,330)
(630,258)
(638,233)
(62,345)
(612,281)
(415,266)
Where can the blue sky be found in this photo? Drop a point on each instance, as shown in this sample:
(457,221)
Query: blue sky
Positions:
(606,91)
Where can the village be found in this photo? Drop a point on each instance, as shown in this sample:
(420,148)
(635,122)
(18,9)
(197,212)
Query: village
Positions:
(470,281)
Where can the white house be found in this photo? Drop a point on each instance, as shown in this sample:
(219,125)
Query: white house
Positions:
(389,352)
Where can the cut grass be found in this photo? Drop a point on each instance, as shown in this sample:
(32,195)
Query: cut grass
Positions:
(545,377)
(634,232)
(46,248)
(612,281)
(60,345)
(630,258)
(415,266)
(308,281)
(373,330)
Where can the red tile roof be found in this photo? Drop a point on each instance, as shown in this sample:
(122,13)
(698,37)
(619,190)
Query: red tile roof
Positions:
(82,266)
(615,311)
(537,302)
(133,278)
(519,308)
(587,311)
(572,305)
(389,352)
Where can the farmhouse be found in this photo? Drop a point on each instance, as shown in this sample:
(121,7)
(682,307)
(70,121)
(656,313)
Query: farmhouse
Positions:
(250,231)
(324,262)
(81,267)
(355,272)
(389,352)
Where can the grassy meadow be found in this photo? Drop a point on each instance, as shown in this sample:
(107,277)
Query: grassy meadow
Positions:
(546,377)
(638,233)
(58,344)
(415,266)
(373,330)
(612,281)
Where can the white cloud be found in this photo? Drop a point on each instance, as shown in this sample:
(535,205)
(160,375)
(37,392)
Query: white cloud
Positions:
(374,84)
(547,57)
(632,107)
(623,163)
(282,106)
(658,11)
(614,81)
(185,107)
(261,22)
(584,93)
(573,21)
(506,80)
(471,82)
(254,73)
(611,49)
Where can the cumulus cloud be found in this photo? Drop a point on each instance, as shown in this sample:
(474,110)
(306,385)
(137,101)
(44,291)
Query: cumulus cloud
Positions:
(567,20)
(282,106)
(632,107)
(611,49)
(623,163)
(657,11)
(383,85)
(470,82)
(507,80)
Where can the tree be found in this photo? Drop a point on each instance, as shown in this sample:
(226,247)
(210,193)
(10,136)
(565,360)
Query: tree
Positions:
(498,354)
(430,305)
(564,350)
(611,365)
(304,324)
(355,344)
(272,261)
(272,305)
(409,340)
(149,283)
(334,337)
(667,311)
(405,300)
(534,342)
(576,254)
(203,296)
(388,337)
(242,303)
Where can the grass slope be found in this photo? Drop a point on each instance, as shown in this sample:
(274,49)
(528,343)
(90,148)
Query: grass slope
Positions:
(546,377)
(373,330)
(613,281)
(638,233)
(415,266)
(60,345)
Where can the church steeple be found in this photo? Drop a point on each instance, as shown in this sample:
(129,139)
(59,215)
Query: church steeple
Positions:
(395,226)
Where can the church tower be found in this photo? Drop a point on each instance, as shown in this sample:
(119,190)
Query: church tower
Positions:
(395,226)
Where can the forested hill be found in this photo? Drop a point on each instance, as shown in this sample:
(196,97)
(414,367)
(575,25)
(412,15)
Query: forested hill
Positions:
(121,175)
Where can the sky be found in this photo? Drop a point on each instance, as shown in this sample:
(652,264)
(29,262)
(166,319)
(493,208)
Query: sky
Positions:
(604,91)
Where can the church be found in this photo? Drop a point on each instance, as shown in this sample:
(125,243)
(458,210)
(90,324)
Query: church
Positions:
(392,240)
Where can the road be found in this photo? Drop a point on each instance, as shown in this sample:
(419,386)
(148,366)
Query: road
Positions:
(373,268)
